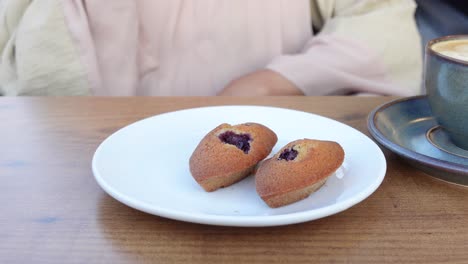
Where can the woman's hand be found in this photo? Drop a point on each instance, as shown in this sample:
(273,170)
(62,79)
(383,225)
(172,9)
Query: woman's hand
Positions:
(261,83)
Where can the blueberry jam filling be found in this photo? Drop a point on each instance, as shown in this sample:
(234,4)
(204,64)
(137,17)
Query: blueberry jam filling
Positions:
(288,154)
(241,141)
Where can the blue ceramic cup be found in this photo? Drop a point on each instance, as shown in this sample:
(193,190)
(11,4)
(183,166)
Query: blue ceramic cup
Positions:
(446,81)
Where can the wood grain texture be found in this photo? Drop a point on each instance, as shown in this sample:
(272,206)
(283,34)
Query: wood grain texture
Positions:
(52,210)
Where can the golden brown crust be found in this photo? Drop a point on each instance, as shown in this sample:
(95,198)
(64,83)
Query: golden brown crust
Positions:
(216,164)
(293,196)
(316,160)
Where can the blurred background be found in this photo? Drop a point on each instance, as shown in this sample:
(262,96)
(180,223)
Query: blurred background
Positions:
(438,18)
(435,18)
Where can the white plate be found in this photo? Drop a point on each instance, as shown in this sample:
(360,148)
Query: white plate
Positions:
(145,166)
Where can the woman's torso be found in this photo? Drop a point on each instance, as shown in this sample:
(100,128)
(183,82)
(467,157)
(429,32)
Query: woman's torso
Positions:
(197,47)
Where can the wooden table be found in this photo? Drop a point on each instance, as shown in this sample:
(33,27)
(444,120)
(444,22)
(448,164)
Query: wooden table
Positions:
(53,211)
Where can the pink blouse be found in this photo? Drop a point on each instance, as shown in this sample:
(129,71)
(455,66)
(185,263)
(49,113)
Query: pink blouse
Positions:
(180,47)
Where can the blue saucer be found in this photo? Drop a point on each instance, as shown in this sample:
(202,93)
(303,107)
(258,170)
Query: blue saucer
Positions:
(407,128)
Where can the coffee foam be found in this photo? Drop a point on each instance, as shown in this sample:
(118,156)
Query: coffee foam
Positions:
(457,49)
